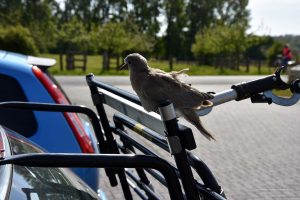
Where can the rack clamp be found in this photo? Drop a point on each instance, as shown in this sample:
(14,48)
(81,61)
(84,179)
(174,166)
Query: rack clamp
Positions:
(260,98)
(179,137)
(186,137)
(283,101)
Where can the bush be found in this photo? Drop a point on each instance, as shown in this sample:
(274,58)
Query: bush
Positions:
(274,54)
(73,37)
(17,39)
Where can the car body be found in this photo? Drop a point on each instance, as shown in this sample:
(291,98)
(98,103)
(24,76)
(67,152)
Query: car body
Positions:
(23,182)
(25,78)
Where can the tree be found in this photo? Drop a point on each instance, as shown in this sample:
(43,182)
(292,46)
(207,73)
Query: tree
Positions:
(274,54)
(81,10)
(100,12)
(114,38)
(229,12)
(200,15)
(105,11)
(257,47)
(174,11)
(34,15)
(17,39)
(203,13)
(11,12)
(37,17)
(144,14)
(73,37)
(225,43)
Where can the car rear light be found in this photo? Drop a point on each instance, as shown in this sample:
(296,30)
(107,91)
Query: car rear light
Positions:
(72,118)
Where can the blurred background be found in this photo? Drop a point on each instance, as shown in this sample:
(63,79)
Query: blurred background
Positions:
(210,37)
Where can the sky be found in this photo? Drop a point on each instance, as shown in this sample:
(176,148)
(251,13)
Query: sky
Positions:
(274,17)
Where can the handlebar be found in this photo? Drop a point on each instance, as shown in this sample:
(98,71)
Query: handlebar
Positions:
(260,91)
(248,89)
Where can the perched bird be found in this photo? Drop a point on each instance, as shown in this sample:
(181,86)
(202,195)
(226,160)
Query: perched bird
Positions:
(154,86)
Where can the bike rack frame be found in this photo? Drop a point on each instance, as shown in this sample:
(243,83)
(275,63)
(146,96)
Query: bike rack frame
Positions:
(155,128)
(100,161)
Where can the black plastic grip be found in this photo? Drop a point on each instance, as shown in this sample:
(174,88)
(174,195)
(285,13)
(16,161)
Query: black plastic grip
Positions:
(247,89)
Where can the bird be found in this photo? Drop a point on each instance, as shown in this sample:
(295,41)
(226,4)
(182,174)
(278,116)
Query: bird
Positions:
(154,86)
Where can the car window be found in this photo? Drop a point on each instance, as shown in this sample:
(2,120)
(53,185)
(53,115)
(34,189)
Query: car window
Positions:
(42,182)
(20,121)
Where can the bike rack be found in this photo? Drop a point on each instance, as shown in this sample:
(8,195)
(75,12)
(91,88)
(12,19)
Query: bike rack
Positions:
(162,130)
(100,161)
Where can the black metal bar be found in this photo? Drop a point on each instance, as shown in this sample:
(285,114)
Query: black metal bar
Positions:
(124,184)
(135,143)
(140,147)
(204,172)
(98,102)
(150,193)
(143,149)
(137,190)
(143,131)
(153,173)
(201,188)
(201,168)
(157,176)
(50,107)
(126,95)
(168,116)
(127,145)
(112,144)
(103,161)
(208,194)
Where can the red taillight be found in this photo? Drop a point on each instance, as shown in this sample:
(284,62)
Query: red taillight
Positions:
(72,118)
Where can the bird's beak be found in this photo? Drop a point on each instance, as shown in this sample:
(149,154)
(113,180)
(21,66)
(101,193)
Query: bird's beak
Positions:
(125,66)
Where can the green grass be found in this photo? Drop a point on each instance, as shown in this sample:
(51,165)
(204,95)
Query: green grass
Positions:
(94,65)
(283,93)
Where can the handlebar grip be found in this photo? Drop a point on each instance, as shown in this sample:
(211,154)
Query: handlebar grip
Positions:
(296,86)
(247,89)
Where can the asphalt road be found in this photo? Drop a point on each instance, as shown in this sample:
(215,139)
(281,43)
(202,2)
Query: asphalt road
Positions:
(257,151)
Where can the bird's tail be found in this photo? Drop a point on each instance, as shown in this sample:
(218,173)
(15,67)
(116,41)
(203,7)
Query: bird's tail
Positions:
(191,116)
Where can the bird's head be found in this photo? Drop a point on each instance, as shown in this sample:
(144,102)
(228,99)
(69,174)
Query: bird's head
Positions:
(135,61)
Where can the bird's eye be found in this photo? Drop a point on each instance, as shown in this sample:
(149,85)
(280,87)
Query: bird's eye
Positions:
(129,62)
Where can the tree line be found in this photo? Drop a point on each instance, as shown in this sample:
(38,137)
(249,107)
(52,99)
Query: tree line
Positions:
(211,32)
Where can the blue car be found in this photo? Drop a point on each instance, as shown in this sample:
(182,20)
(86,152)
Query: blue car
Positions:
(24,182)
(25,78)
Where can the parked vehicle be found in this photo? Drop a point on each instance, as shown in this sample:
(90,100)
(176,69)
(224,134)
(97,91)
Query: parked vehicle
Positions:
(25,78)
(20,182)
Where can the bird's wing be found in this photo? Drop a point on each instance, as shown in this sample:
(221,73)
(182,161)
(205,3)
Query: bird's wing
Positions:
(160,86)
(174,74)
